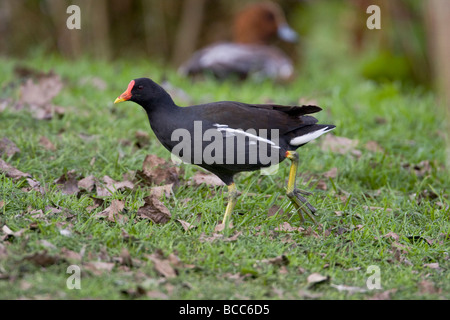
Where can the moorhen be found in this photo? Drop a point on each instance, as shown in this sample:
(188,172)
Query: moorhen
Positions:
(229,137)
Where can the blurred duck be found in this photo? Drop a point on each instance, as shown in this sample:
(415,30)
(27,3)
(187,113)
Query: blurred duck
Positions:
(250,54)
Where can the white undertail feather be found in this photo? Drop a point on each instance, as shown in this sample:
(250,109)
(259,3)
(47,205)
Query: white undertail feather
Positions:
(308,137)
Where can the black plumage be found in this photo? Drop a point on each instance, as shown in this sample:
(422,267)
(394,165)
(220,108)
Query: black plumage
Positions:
(243,123)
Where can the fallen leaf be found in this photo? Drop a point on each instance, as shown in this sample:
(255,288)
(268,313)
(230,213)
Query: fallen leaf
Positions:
(12,172)
(42,259)
(434,265)
(8,147)
(98,267)
(341,145)
(372,208)
(287,227)
(221,226)
(111,186)
(142,139)
(125,258)
(186,225)
(162,266)
(277,261)
(373,146)
(332,173)
(68,183)
(273,210)
(70,255)
(158,171)
(154,210)
(349,289)
(38,93)
(391,235)
(428,287)
(37,214)
(87,183)
(2,204)
(207,178)
(47,144)
(420,169)
(316,278)
(159,191)
(112,213)
(11,234)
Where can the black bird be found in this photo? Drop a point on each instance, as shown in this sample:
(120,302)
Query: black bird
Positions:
(229,137)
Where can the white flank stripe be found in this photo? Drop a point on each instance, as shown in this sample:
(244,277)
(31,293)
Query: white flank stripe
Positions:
(224,127)
(238,131)
(308,137)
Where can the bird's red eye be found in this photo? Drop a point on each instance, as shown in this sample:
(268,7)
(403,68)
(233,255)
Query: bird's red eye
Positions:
(140,87)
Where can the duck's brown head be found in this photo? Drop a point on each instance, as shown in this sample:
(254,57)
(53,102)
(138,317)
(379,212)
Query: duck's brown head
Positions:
(261,23)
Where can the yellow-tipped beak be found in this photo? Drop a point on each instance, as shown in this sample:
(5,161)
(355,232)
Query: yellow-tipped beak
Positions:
(119,99)
(126,95)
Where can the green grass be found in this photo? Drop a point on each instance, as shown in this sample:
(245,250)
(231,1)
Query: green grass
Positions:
(405,121)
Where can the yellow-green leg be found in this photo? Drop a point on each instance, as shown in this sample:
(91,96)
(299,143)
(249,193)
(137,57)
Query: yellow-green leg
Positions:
(295,194)
(232,199)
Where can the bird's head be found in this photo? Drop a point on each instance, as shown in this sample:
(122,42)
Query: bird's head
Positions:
(145,92)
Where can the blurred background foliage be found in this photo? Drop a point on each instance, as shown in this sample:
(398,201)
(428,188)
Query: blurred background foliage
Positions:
(168,32)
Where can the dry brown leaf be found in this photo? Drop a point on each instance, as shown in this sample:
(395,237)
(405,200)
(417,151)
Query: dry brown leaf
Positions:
(321,185)
(8,233)
(341,145)
(428,287)
(112,213)
(316,278)
(98,267)
(420,169)
(391,235)
(12,172)
(221,226)
(42,259)
(156,295)
(87,183)
(273,210)
(47,144)
(277,261)
(154,210)
(37,214)
(42,91)
(111,186)
(287,227)
(8,147)
(434,265)
(159,191)
(162,266)
(68,183)
(125,258)
(37,95)
(2,204)
(372,208)
(332,173)
(186,225)
(217,236)
(158,171)
(142,139)
(207,178)
(373,146)
(70,255)
(349,289)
